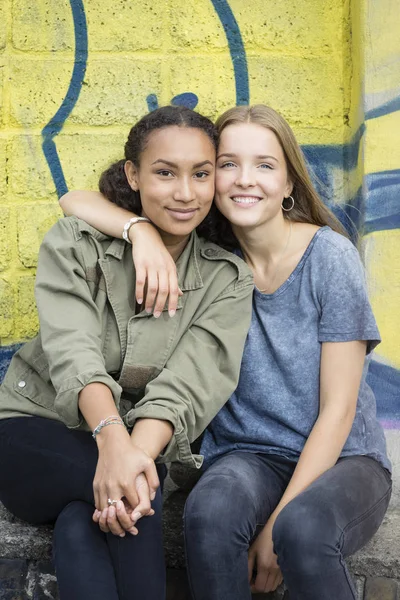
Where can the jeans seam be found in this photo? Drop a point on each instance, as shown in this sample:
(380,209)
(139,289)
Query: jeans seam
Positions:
(368,512)
(186,555)
(347,575)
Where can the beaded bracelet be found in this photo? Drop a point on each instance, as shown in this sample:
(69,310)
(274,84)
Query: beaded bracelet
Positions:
(112,420)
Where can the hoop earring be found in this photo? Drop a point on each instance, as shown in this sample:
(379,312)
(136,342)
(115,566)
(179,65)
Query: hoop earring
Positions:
(288,209)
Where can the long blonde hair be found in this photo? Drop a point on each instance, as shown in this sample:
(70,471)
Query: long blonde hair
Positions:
(308,207)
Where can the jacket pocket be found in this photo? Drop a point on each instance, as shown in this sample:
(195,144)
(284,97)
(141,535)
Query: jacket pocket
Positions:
(33,383)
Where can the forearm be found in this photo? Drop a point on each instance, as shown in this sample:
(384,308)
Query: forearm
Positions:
(96,210)
(152,435)
(320,453)
(96,403)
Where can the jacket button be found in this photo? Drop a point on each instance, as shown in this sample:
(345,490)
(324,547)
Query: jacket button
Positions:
(21,384)
(209,252)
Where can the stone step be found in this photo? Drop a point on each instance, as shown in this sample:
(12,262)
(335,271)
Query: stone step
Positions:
(26,572)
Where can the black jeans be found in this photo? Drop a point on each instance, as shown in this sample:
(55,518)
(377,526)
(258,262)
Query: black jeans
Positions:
(46,475)
(335,516)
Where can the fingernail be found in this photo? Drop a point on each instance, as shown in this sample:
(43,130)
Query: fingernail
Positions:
(136,516)
(139,300)
(104,512)
(152,512)
(148,309)
(133,531)
(119,505)
(152,495)
(156,314)
(121,535)
(171,313)
(111,511)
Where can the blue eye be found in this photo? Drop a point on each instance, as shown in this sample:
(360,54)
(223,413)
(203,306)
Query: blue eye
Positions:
(227,164)
(265,166)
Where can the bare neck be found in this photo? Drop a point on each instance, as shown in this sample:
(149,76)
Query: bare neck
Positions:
(263,244)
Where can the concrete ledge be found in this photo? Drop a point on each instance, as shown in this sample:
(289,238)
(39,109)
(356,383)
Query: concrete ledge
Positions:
(26,571)
(381,556)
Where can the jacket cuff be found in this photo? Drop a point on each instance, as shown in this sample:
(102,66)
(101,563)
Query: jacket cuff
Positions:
(66,402)
(178,449)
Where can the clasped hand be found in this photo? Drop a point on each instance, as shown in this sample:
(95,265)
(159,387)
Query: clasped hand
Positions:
(127,474)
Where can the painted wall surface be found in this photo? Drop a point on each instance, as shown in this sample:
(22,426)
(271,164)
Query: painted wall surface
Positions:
(75,75)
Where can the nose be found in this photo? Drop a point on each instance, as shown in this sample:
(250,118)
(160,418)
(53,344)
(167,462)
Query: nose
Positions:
(184,191)
(245,178)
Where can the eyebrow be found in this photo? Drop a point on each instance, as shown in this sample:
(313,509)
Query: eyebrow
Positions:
(175,166)
(259,156)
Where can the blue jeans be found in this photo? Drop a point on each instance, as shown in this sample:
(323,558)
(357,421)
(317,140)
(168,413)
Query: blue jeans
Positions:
(333,518)
(46,475)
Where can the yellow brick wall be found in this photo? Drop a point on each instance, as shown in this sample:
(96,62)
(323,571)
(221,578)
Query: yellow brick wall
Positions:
(330,67)
(296,58)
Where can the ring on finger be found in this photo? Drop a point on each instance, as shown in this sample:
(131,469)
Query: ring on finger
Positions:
(112,502)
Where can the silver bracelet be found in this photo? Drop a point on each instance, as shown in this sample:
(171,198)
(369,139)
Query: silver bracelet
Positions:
(129,224)
(113,420)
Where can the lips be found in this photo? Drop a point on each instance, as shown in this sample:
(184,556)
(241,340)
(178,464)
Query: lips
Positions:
(182,214)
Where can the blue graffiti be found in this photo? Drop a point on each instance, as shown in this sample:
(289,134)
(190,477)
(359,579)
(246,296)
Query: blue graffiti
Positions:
(152,102)
(186,99)
(54,126)
(385,109)
(236,49)
(385,383)
(382,207)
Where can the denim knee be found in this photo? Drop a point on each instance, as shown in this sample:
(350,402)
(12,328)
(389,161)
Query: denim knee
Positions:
(216,519)
(305,535)
(72,525)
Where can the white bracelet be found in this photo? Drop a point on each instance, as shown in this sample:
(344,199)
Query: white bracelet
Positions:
(129,224)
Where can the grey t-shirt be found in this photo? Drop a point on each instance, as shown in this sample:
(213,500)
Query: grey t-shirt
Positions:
(276,402)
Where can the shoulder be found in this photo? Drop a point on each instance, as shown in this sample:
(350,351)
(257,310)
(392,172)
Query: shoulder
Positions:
(329,240)
(331,248)
(74,229)
(213,256)
(73,237)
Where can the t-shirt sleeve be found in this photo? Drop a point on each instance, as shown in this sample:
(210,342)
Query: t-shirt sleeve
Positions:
(346,312)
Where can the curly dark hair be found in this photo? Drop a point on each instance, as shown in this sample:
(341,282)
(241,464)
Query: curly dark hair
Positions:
(113,183)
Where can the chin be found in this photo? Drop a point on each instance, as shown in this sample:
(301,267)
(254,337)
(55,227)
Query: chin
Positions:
(242,220)
(182,230)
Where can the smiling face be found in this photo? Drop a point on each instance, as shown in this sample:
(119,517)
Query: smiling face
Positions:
(175,179)
(251,175)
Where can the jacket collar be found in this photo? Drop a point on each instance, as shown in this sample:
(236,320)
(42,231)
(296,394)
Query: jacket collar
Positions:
(189,277)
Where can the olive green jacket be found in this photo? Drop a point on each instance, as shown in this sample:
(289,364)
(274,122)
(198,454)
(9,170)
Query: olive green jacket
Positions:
(181,369)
